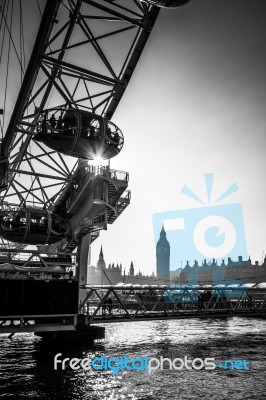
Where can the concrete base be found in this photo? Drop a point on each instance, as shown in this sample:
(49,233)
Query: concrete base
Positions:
(83,334)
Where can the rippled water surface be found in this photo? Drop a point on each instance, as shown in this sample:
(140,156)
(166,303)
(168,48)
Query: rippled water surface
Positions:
(27,367)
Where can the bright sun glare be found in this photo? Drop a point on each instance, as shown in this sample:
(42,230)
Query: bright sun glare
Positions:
(98,160)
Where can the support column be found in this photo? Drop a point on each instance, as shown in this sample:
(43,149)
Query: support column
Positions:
(83,254)
(82,260)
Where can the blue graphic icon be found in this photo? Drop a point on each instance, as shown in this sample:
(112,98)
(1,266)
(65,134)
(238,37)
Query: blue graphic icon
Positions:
(210,231)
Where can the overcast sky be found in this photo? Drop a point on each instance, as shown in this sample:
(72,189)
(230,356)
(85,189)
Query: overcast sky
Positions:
(196,104)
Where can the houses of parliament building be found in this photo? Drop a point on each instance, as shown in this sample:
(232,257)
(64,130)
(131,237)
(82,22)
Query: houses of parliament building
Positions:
(208,273)
(114,274)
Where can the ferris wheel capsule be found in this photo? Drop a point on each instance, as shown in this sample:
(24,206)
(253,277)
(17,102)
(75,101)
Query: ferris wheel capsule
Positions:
(79,133)
(31,225)
(167,3)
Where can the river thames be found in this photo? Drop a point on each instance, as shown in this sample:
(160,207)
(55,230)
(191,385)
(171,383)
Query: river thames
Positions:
(27,368)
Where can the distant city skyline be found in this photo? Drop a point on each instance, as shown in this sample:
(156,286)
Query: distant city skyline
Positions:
(201,262)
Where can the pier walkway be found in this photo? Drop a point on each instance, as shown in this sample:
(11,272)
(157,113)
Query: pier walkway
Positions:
(128,303)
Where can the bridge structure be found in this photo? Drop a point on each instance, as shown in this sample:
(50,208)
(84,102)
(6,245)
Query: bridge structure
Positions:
(131,303)
(105,304)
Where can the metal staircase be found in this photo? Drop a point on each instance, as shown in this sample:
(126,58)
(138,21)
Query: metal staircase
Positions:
(121,205)
(92,226)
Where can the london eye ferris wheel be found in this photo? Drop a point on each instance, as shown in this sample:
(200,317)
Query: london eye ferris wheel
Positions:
(57,104)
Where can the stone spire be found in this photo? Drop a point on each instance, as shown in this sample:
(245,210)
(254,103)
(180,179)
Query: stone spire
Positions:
(101,263)
(101,254)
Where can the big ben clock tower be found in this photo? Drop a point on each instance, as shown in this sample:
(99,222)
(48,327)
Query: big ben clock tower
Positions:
(163,258)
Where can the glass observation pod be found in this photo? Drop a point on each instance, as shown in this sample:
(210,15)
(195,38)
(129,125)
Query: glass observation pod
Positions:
(79,134)
(167,3)
(32,226)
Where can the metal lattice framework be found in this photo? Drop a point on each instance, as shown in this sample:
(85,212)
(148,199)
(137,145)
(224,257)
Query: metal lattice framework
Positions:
(139,303)
(84,56)
(131,303)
